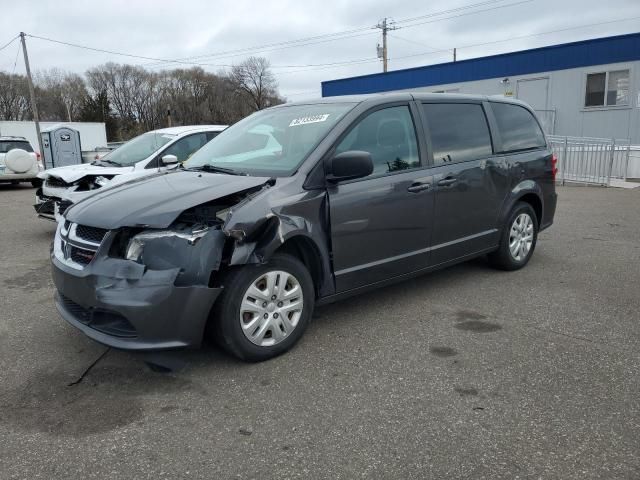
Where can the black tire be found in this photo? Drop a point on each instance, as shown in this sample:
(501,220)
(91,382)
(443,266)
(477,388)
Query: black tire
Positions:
(36,183)
(226,329)
(502,258)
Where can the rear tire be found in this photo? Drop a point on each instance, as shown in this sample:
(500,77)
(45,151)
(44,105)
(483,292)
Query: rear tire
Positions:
(36,183)
(264,309)
(517,240)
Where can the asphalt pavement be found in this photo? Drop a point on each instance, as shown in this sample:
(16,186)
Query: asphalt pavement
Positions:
(465,373)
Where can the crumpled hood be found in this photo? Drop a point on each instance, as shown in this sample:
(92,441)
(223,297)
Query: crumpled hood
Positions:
(71,173)
(156,201)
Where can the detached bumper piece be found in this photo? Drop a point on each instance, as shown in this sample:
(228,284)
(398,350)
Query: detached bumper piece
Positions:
(48,207)
(45,206)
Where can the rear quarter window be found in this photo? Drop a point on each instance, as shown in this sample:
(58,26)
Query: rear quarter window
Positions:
(6,145)
(518,128)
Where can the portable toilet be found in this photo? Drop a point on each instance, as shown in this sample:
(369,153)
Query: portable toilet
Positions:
(61,145)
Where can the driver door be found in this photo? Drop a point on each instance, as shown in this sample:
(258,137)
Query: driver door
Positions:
(381,224)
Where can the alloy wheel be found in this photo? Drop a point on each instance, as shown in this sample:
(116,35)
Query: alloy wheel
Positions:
(521,237)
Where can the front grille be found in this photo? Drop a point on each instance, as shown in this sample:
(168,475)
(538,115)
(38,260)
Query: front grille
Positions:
(55,182)
(91,234)
(80,255)
(77,245)
(63,205)
(105,321)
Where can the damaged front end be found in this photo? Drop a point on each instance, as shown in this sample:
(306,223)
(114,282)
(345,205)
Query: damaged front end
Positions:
(56,195)
(143,288)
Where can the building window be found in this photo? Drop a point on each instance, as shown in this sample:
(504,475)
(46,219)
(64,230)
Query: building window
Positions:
(607,89)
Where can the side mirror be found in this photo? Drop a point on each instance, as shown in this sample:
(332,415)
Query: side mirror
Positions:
(350,165)
(169,159)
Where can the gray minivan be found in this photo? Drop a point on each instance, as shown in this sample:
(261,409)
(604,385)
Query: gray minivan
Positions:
(298,205)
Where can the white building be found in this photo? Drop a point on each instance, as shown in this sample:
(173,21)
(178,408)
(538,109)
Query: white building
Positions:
(583,89)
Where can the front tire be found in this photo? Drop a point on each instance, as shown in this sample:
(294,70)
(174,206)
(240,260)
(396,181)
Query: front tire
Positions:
(265,309)
(518,239)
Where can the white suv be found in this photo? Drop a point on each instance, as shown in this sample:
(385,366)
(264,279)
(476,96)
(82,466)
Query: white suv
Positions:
(18,161)
(144,155)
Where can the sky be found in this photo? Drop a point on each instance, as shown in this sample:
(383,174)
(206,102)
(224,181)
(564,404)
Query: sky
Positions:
(206,29)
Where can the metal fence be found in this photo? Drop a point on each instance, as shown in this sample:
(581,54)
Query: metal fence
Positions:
(593,161)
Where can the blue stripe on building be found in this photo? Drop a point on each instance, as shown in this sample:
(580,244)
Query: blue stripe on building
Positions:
(599,51)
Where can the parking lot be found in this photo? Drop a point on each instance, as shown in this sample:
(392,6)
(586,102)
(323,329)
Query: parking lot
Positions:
(465,373)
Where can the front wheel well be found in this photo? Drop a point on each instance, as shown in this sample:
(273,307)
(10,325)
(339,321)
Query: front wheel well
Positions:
(306,251)
(535,202)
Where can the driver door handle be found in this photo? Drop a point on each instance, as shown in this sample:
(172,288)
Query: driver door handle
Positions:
(419,187)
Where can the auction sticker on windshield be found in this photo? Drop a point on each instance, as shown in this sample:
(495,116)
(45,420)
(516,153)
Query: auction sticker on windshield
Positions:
(309,119)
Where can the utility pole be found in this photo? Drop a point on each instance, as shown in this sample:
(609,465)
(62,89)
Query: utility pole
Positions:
(383,53)
(454,54)
(32,94)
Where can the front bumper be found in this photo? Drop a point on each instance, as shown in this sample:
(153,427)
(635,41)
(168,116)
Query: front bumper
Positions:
(117,309)
(50,208)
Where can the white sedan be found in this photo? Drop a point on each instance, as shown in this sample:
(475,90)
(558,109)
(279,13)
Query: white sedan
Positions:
(142,156)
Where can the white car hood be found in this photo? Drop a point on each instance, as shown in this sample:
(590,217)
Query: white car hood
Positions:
(72,173)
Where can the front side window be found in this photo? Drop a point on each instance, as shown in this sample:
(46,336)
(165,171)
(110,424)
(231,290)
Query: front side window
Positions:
(607,89)
(518,128)
(459,132)
(389,136)
(271,142)
(137,149)
(187,146)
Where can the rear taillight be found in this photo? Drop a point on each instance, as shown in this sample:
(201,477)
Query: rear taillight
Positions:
(554,166)
(38,155)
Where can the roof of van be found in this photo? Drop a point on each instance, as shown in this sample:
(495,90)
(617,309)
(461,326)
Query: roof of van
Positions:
(191,129)
(405,96)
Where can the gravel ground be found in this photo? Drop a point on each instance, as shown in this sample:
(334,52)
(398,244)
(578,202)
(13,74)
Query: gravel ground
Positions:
(465,373)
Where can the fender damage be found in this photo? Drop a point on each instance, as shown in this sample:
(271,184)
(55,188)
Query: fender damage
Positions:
(162,298)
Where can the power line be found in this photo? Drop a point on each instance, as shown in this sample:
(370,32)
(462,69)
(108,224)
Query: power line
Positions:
(9,43)
(519,37)
(305,41)
(111,52)
(452,10)
(340,35)
(411,41)
(448,50)
(164,62)
(468,13)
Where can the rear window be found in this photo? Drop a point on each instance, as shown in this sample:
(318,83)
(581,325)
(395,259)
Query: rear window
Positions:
(518,128)
(458,131)
(6,145)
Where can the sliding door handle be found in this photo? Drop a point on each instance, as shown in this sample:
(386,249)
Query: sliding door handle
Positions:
(445,182)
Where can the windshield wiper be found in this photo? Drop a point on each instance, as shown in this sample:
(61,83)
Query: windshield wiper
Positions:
(214,169)
(109,162)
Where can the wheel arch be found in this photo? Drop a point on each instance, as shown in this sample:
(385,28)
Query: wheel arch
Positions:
(526,191)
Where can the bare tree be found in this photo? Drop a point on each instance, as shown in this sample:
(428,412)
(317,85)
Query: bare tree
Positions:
(255,82)
(14,97)
(131,99)
(60,94)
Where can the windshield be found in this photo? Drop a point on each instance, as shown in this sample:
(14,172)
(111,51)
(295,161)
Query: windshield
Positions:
(271,142)
(137,149)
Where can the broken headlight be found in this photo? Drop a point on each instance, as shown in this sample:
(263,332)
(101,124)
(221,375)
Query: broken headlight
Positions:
(101,181)
(135,247)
